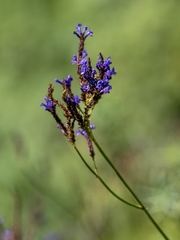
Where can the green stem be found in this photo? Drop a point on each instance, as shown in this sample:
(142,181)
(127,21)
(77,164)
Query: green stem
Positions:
(105,185)
(128,187)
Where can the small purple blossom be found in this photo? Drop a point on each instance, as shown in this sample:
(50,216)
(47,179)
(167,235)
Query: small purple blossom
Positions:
(85,33)
(80,131)
(92,126)
(105,65)
(66,81)
(58,81)
(85,88)
(49,105)
(78,28)
(109,73)
(83,67)
(77,100)
(84,55)
(106,89)
(103,86)
(74,59)
(83,132)
(93,72)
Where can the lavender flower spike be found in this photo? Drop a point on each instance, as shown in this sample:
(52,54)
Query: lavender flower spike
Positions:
(93,84)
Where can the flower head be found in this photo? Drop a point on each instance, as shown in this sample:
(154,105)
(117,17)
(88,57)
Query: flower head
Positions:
(82,33)
(94,82)
(49,105)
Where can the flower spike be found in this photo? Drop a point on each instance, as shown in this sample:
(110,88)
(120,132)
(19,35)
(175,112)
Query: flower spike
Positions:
(93,84)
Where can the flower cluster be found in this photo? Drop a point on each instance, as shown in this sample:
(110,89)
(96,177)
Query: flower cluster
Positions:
(93,84)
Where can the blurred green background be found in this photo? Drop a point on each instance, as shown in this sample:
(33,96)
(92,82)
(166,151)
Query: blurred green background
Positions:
(138,123)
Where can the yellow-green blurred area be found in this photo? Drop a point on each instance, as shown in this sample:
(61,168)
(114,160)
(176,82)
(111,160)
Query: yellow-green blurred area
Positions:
(137,124)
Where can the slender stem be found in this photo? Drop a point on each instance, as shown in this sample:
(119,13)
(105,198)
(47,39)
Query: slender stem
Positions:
(105,185)
(95,167)
(155,223)
(114,168)
(128,187)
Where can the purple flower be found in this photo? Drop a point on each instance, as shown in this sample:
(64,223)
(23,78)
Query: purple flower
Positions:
(85,33)
(92,126)
(93,73)
(74,59)
(106,89)
(105,65)
(66,81)
(100,85)
(109,73)
(58,81)
(85,88)
(113,71)
(84,55)
(78,28)
(80,131)
(103,86)
(84,67)
(49,105)
(83,132)
(83,61)
(77,100)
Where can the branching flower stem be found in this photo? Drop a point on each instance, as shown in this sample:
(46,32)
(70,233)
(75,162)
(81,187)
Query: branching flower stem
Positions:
(142,207)
(105,185)
(94,83)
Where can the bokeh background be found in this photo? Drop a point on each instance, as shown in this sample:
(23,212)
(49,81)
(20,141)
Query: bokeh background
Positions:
(44,186)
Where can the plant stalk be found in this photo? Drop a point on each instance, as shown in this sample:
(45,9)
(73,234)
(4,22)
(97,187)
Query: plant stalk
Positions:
(105,185)
(128,187)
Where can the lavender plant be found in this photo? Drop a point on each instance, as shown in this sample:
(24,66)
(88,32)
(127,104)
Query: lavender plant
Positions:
(94,83)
